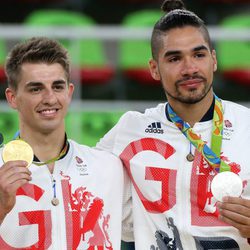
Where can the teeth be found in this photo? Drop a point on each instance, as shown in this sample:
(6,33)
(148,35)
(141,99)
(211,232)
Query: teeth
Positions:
(48,111)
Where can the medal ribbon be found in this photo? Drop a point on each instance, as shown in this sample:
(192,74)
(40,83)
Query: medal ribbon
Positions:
(211,155)
(1,140)
(62,153)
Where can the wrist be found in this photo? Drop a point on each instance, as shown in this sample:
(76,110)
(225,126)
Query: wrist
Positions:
(2,216)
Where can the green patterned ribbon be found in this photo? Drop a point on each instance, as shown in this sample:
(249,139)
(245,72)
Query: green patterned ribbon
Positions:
(212,155)
(61,154)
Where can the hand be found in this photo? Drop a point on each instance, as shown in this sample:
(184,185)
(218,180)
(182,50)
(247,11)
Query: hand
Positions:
(236,212)
(13,175)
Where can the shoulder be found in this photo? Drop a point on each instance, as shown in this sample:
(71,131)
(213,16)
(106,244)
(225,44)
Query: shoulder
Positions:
(153,112)
(94,153)
(235,109)
(236,115)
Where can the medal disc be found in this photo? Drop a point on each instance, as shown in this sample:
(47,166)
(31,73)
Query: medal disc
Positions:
(55,201)
(17,150)
(226,184)
(190,157)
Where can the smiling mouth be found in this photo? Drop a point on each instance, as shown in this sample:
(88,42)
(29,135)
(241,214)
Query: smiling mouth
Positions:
(48,112)
(191,83)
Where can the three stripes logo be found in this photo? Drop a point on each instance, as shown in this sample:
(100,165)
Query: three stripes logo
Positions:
(154,127)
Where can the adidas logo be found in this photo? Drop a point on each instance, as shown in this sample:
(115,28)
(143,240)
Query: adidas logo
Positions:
(154,127)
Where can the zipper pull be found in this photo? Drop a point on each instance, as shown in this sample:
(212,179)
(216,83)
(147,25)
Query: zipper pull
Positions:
(54,200)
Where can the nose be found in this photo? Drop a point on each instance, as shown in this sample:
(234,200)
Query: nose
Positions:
(49,97)
(189,67)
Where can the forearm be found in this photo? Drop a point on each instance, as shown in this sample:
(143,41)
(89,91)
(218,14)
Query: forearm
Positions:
(3,213)
(1,220)
(2,216)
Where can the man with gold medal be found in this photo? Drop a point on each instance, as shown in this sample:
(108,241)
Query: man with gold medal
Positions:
(54,193)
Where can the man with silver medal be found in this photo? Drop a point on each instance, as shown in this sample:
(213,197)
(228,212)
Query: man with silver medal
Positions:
(196,174)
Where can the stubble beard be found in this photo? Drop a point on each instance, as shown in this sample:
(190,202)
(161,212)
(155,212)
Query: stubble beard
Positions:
(193,97)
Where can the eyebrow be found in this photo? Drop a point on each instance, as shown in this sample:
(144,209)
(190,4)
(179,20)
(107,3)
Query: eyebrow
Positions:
(201,47)
(178,52)
(33,84)
(59,82)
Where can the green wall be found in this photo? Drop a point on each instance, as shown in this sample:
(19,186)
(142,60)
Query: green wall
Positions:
(84,127)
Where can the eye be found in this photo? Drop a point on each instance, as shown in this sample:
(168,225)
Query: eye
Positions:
(59,87)
(174,59)
(35,89)
(200,55)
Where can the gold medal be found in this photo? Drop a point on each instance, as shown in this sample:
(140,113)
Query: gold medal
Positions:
(18,150)
(55,201)
(190,157)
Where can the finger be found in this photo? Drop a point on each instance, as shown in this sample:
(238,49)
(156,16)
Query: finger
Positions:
(11,174)
(19,176)
(14,167)
(8,190)
(15,163)
(12,178)
(243,229)
(237,200)
(12,187)
(237,213)
(234,209)
(235,205)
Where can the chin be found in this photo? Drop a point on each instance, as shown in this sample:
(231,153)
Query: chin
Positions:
(191,100)
(49,128)
(193,96)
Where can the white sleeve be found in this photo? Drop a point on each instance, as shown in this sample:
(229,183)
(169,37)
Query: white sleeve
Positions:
(127,214)
(110,139)
(107,142)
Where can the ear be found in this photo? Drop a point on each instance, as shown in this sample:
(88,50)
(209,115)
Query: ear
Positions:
(71,88)
(214,60)
(153,66)
(10,95)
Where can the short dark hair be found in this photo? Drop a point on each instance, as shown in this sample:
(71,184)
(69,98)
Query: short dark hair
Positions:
(176,17)
(35,50)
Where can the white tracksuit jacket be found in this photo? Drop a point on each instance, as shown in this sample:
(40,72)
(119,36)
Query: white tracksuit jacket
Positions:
(173,207)
(89,187)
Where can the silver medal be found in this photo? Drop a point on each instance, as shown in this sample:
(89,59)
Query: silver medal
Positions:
(226,184)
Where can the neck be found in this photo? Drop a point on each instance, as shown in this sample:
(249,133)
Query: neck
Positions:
(45,146)
(192,113)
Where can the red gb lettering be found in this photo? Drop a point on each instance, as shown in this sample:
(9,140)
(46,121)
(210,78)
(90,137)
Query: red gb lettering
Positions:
(167,177)
(41,218)
(203,205)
